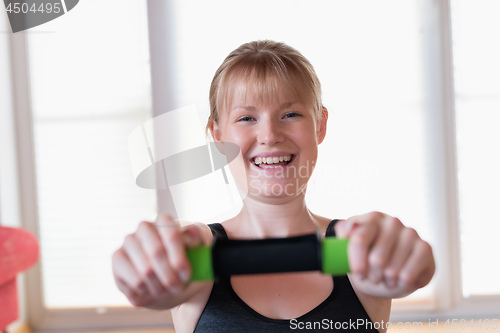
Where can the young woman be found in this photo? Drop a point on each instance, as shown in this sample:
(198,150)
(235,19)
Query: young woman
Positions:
(266,98)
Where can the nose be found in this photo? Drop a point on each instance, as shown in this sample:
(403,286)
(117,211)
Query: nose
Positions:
(270,132)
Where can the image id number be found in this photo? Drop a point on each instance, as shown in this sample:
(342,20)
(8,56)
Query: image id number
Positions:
(23,7)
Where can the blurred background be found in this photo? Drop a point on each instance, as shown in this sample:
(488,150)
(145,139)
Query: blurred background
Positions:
(413,91)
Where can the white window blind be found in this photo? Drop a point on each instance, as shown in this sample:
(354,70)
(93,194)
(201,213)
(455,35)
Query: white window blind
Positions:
(90,88)
(477,99)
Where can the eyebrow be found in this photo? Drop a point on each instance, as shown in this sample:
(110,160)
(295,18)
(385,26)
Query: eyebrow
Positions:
(252,108)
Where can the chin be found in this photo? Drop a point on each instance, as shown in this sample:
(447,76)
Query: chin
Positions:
(271,189)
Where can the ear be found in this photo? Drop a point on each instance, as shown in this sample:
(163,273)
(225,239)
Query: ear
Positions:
(217,136)
(321,125)
(215,131)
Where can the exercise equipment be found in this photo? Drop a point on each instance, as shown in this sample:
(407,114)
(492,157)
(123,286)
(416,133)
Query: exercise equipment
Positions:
(226,257)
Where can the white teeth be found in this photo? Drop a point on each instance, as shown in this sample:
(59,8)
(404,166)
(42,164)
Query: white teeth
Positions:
(272,160)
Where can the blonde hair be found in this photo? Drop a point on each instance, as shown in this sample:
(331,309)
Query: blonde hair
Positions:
(266,68)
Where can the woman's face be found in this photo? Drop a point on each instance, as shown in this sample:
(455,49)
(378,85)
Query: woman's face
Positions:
(278,145)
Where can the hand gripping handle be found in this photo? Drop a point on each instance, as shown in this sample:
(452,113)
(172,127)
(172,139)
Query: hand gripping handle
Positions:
(302,253)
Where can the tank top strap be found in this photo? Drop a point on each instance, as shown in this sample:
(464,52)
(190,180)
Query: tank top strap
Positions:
(218,230)
(330,231)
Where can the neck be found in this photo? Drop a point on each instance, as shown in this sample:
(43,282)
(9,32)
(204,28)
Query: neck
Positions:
(259,219)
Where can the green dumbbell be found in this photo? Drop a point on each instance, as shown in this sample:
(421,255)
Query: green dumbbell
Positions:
(302,253)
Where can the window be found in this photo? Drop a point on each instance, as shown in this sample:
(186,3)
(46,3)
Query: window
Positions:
(86,99)
(413,96)
(89,87)
(477,104)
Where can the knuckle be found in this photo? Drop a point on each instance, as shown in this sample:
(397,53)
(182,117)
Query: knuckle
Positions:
(148,273)
(117,255)
(360,237)
(177,265)
(170,281)
(375,215)
(137,285)
(426,247)
(411,234)
(377,259)
(356,239)
(394,223)
(173,237)
(391,273)
(158,253)
(143,225)
(407,277)
(129,240)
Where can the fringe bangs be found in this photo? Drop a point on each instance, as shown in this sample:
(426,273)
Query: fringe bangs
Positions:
(266,70)
(268,79)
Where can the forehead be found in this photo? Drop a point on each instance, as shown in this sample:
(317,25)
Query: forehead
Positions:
(254,88)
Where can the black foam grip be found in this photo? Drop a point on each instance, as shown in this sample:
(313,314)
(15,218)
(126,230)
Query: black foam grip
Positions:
(301,253)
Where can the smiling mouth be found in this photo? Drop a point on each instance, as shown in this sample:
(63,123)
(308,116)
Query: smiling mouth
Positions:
(272,162)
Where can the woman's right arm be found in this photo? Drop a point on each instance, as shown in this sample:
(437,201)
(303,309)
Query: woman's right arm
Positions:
(151,267)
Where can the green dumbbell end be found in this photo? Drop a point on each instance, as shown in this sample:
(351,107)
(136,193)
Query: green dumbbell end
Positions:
(335,260)
(201,263)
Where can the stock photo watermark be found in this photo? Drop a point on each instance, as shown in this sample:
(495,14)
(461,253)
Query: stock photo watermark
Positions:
(363,325)
(26,14)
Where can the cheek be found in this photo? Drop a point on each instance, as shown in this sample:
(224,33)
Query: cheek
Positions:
(306,136)
(240,138)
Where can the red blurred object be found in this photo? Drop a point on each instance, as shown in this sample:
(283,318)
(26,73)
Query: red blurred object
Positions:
(19,250)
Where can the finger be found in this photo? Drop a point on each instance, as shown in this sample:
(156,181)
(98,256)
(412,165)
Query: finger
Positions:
(173,242)
(139,300)
(383,249)
(344,228)
(147,234)
(401,253)
(140,261)
(419,268)
(124,271)
(192,236)
(126,290)
(360,241)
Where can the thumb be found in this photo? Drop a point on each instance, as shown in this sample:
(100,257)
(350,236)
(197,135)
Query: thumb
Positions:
(193,236)
(344,228)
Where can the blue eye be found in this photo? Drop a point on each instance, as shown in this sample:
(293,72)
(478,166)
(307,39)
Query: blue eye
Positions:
(292,115)
(244,119)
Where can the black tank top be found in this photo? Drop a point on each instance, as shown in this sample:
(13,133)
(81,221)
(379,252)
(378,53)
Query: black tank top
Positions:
(225,311)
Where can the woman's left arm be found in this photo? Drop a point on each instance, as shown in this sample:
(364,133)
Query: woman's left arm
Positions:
(387,259)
